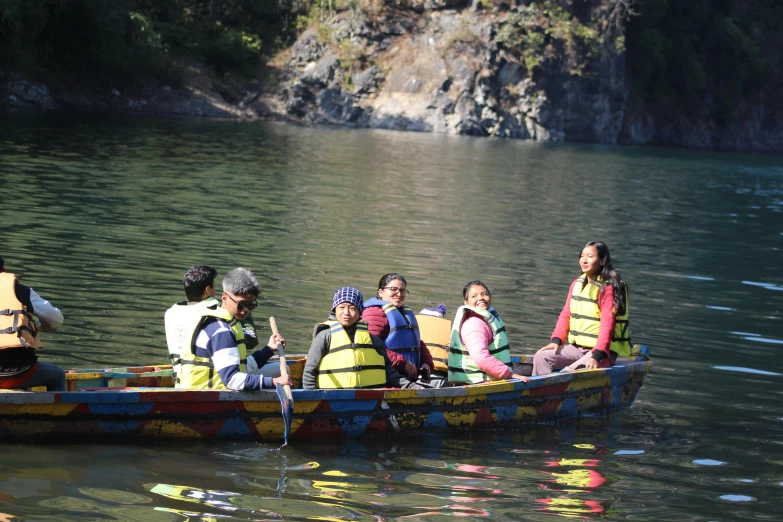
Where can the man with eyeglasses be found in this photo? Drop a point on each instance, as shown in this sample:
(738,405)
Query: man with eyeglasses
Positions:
(216,355)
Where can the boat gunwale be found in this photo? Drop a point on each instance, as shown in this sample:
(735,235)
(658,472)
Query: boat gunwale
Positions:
(143,395)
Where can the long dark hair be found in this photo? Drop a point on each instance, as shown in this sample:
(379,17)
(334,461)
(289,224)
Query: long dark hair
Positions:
(608,275)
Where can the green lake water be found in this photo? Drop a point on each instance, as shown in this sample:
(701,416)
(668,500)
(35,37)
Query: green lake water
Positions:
(103,215)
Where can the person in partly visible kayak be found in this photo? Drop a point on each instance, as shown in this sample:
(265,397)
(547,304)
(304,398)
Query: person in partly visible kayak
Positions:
(594,321)
(435,332)
(24,314)
(213,353)
(392,321)
(199,285)
(478,350)
(344,354)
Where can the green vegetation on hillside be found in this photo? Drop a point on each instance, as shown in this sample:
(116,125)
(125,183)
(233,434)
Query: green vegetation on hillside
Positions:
(680,52)
(546,28)
(130,37)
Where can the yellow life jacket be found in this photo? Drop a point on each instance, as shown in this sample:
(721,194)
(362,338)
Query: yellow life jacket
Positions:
(462,368)
(585,322)
(199,372)
(436,334)
(17,324)
(350,364)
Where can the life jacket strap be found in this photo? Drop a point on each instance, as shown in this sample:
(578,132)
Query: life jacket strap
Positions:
(354,369)
(576,333)
(198,363)
(587,317)
(412,349)
(406,326)
(456,369)
(498,350)
(350,347)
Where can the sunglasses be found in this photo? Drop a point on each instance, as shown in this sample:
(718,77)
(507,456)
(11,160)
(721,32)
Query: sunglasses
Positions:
(243,307)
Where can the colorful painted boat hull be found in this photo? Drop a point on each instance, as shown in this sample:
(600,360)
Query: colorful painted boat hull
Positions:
(120,404)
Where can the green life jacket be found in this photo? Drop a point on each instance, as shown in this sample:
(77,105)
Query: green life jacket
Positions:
(462,368)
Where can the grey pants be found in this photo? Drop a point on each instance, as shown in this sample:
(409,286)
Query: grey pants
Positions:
(569,356)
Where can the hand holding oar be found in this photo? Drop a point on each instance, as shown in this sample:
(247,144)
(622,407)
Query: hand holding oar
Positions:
(283,390)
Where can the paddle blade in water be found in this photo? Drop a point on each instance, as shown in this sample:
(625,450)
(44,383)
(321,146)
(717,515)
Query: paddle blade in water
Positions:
(286,411)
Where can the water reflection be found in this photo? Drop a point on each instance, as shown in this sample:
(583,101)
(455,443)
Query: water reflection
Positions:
(567,485)
(574,471)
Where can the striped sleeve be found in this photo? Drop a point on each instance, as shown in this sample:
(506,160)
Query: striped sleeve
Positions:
(217,342)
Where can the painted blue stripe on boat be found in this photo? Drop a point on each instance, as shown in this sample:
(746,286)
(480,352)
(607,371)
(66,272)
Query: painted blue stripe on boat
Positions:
(234,428)
(138,408)
(363,405)
(505,413)
(435,420)
(569,407)
(100,397)
(354,426)
(617,377)
(320,395)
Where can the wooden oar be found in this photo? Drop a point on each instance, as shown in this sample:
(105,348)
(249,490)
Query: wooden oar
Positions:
(283,390)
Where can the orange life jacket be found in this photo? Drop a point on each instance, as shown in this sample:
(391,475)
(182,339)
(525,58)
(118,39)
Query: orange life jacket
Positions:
(17,325)
(436,334)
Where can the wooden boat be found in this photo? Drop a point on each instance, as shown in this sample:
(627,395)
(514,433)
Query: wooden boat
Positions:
(141,402)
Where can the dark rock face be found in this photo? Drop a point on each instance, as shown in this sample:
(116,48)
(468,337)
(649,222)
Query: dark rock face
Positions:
(336,106)
(322,73)
(425,5)
(18,93)
(441,71)
(308,48)
(367,81)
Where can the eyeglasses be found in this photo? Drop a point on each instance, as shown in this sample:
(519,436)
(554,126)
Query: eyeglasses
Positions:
(396,290)
(243,307)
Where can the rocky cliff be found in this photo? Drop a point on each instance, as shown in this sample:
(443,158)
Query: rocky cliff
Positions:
(437,66)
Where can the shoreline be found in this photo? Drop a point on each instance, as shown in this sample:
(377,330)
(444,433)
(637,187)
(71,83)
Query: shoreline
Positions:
(153,99)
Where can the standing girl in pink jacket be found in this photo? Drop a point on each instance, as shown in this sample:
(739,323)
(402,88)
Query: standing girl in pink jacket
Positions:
(592,330)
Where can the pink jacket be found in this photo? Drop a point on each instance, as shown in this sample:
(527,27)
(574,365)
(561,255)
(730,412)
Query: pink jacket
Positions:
(476,335)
